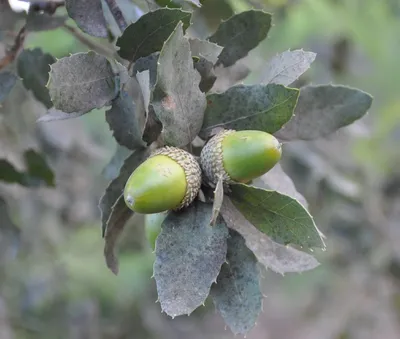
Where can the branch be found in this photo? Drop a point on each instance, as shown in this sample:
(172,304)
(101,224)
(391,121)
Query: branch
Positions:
(13,52)
(117,14)
(90,43)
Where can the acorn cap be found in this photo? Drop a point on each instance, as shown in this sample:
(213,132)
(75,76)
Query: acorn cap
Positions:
(239,156)
(192,171)
(211,159)
(168,180)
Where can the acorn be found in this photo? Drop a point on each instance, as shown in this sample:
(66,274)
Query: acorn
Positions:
(239,156)
(169,179)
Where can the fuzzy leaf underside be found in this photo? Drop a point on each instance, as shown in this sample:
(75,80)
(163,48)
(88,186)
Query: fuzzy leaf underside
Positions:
(240,34)
(229,76)
(148,34)
(218,199)
(237,294)
(122,118)
(147,63)
(7,82)
(111,170)
(143,79)
(287,67)
(34,67)
(189,255)
(120,214)
(82,82)
(321,110)
(206,49)
(279,258)
(255,107)
(206,71)
(55,115)
(276,179)
(206,54)
(116,186)
(88,15)
(279,216)
(177,100)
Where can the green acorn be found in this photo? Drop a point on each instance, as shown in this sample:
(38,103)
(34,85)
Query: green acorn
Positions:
(169,179)
(239,156)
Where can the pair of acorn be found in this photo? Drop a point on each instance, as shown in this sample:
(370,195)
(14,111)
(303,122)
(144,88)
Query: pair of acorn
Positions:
(170,178)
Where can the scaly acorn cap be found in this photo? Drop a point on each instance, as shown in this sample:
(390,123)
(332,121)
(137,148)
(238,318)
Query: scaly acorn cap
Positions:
(239,156)
(169,179)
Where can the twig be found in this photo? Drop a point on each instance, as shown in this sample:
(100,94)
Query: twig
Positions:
(90,43)
(117,14)
(13,52)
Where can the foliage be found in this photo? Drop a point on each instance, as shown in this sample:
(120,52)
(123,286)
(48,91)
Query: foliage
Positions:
(34,67)
(237,292)
(37,171)
(159,86)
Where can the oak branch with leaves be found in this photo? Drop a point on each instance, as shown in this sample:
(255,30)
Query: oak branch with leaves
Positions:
(214,153)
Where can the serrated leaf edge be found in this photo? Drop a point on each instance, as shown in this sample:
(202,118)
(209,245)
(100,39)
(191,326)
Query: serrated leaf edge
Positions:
(320,234)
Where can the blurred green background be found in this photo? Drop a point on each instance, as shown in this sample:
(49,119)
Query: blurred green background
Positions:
(57,284)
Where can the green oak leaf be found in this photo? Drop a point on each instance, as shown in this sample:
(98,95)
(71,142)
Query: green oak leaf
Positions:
(37,167)
(279,216)
(116,187)
(119,215)
(9,174)
(33,67)
(37,171)
(240,34)
(253,107)
(276,179)
(148,34)
(123,119)
(321,110)
(276,257)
